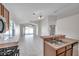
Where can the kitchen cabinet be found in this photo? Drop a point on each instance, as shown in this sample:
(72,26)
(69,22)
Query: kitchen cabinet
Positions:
(69,52)
(62,54)
(1,10)
(4,13)
(59,51)
(50,51)
(65,51)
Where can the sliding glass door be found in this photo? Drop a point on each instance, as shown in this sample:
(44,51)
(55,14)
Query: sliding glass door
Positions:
(28,32)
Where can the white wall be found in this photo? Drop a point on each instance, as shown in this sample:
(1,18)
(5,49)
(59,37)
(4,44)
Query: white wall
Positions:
(17,31)
(21,30)
(44,27)
(68,26)
(50,20)
(17,27)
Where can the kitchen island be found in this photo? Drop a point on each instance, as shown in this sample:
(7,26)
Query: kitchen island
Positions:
(59,45)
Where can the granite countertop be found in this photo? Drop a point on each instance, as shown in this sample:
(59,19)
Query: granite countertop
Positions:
(68,41)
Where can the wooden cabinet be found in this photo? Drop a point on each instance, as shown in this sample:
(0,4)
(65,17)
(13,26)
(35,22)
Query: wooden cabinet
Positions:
(60,50)
(62,54)
(64,51)
(5,13)
(69,48)
(1,10)
(69,52)
(49,51)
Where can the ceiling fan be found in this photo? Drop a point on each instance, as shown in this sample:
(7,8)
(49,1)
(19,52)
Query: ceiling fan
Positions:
(38,15)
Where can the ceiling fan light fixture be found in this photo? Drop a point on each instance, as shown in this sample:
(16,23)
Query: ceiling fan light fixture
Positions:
(40,17)
(34,14)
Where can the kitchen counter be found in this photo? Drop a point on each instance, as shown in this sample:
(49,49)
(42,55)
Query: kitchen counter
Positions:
(9,44)
(53,36)
(52,46)
(67,41)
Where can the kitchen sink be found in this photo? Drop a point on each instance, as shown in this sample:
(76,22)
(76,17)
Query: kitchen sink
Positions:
(57,42)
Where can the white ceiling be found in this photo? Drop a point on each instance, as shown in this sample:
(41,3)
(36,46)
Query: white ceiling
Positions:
(24,11)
